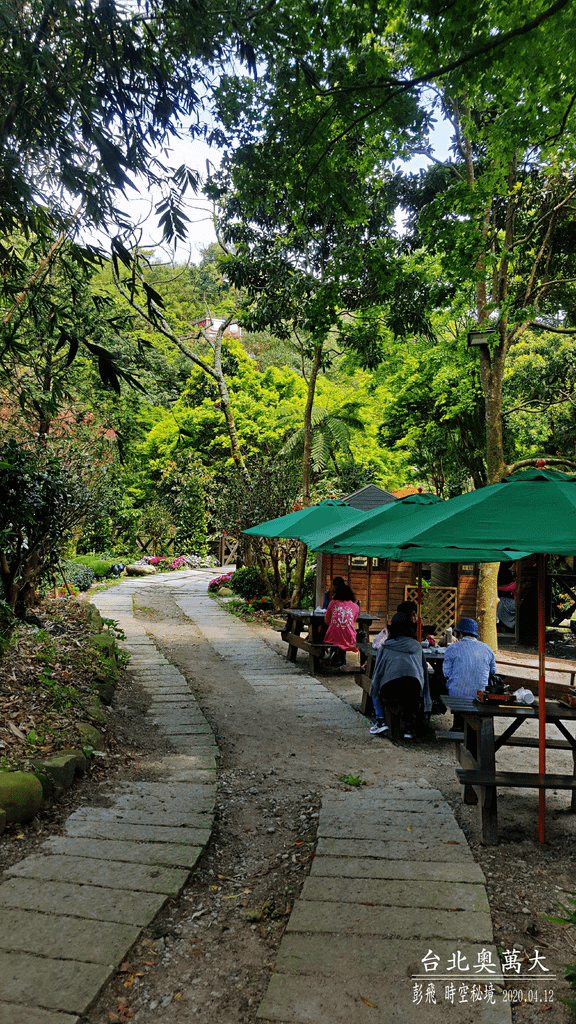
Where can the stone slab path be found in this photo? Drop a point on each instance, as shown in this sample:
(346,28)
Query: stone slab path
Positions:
(69,915)
(393,891)
(393,884)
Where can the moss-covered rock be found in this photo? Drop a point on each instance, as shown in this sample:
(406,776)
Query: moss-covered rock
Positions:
(106,644)
(48,788)
(61,769)
(105,688)
(20,795)
(91,736)
(96,711)
(94,617)
(81,760)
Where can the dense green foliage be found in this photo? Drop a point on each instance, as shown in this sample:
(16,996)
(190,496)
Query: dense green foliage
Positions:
(78,574)
(41,501)
(247,582)
(191,532)
(100,567)
(351,364)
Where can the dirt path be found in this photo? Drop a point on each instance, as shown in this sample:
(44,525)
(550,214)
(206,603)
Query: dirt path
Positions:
(209,956)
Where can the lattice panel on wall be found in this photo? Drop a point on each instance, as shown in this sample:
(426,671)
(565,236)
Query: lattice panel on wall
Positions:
(438,606)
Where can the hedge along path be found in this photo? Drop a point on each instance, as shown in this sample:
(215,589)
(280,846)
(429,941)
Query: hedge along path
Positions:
(69,914)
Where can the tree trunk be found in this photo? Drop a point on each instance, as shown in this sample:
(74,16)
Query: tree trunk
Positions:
(306,458)
(299,573)
(491,374)
(486,602)
(307,453)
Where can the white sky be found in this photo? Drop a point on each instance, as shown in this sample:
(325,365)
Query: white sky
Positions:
(140,208)
(196,153)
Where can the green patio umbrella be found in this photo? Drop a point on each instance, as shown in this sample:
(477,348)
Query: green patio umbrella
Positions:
(379,519)
(327,514)
(389,532)
(377,523)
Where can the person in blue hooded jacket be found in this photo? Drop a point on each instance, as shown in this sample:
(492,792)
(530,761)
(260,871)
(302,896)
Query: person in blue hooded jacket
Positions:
(400,677)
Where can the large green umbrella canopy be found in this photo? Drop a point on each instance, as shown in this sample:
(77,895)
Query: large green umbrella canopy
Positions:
(380,519)
(326,515)
(388,531)
(527,513)
(336,538)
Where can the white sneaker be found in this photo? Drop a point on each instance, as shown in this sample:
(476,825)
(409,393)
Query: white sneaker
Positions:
(378,727)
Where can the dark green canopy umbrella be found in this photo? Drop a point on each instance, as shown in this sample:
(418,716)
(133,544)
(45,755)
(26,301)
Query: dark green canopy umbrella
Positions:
(530,512)
(381,533)
(325,515)
(380,522)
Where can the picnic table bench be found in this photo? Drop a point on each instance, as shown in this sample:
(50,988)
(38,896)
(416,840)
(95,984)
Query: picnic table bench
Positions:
(477,754)
(299,619)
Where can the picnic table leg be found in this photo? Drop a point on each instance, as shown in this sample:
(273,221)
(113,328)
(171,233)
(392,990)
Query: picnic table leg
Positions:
(293,626)
(487,794)
(314,664)
(366,705)
(470,745)
(393,716)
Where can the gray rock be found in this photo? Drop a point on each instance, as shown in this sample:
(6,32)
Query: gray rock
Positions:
(60,770)
(91,736)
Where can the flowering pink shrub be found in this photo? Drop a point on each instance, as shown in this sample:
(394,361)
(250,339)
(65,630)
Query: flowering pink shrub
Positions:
(219,581)
(180,562)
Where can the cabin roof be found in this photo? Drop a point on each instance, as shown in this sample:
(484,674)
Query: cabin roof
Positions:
(370,496)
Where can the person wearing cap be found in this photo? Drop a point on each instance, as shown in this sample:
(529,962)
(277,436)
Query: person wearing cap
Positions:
(468,663)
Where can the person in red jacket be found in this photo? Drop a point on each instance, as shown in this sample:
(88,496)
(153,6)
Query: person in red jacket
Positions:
(340,617)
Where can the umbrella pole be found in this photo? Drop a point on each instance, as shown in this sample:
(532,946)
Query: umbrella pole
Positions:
(541,693)
(419,601)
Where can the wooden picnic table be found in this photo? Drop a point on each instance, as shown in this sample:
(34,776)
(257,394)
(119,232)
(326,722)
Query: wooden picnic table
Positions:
(299,619)
(363,678)
(478,748)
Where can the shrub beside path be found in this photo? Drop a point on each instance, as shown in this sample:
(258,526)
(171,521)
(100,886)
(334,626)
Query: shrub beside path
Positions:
(393,883)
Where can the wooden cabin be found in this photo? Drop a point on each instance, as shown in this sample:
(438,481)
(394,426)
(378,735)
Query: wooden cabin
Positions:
(380,586)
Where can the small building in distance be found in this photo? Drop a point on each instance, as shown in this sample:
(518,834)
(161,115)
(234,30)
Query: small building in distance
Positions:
(213,324)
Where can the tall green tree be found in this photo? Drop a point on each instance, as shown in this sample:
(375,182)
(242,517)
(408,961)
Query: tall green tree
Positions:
(499,213)
(309,242)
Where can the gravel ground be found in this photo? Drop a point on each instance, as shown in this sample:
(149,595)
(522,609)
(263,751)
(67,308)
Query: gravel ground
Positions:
(209,954)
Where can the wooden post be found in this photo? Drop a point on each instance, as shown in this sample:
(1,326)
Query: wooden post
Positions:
(419,601)
(541,694)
